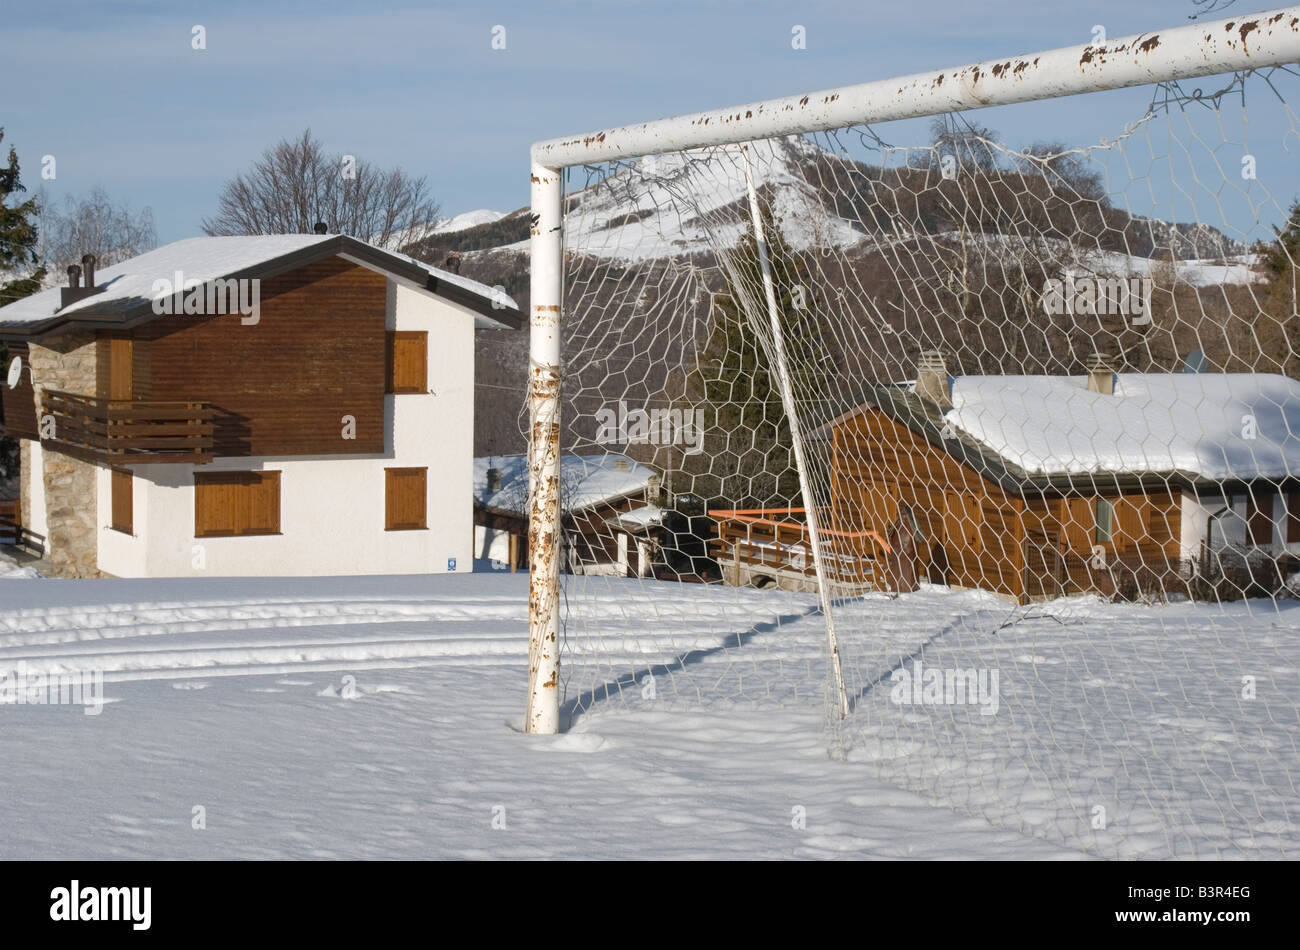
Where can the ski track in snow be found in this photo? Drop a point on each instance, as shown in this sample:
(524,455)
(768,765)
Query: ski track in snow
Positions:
(233,695)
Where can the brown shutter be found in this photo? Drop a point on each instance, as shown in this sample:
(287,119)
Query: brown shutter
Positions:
(407,361)
(122,504)
(233,504)
(1259,515)
(1293,517)
(405,491)
(120,367)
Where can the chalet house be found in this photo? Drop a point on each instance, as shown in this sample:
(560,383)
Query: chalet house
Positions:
(264,405)
(1037,486)
(610,517)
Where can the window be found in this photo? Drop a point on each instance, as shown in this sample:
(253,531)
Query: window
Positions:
(122,505)
(404,499)
(236,504)
(1105,512)
(408,361)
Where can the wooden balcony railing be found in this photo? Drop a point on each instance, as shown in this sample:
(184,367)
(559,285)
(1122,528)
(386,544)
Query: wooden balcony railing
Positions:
(121,431)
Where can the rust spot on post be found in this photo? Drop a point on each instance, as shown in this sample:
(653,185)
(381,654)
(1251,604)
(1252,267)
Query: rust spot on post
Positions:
(1147,46)
(1247,29)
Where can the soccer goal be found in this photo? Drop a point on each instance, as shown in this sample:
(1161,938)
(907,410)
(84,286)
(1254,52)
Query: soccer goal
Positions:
(958,413)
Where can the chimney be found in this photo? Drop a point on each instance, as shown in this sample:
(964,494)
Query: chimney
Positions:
(1101,374)
(453,264)
(493,480)
(320,228)
(932,379)
(621,464)
(74,291)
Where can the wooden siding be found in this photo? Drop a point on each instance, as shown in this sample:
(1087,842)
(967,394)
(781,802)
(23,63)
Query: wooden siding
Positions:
(405,499)
(20,403)
(283,385)
(235,504)
(967,522)
(978,535)
(407,363)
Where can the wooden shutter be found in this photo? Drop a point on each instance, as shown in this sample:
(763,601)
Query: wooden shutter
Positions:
(235,504)
(404,499)
(122,505)
(1077,523)
(408,361)
(121,358)
(1259,515)
(1293,517)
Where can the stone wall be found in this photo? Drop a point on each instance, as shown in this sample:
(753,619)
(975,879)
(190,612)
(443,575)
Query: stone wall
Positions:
(67,363)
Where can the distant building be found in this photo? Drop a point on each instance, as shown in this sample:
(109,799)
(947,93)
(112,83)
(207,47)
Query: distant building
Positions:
(610,516)
(1036,486)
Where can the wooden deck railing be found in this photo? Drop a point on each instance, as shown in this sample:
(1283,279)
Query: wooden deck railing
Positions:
(777,539)
(127,430)
(12,530)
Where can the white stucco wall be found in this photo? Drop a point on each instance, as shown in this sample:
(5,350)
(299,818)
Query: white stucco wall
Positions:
(1230,528)
(36,486)
(331,507)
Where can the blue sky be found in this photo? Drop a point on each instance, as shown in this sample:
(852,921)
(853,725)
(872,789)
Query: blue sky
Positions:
(115,92)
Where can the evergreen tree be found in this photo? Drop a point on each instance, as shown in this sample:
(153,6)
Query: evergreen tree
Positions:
(20,274)
(20,270)
(748,459)
(1279,325)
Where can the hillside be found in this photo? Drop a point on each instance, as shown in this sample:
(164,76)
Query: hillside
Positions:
(905,260)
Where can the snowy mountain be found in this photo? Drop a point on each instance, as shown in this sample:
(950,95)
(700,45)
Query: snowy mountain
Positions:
(638,213)
(467,219)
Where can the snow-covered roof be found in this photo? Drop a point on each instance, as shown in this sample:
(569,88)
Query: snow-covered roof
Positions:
(585,480)
(1206,425)
(132,283)
(639,518)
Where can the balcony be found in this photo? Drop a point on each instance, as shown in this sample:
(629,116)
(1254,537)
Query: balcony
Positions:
(127,431)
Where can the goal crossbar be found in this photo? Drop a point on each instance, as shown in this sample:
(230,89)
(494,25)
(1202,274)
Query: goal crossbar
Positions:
(1248,42)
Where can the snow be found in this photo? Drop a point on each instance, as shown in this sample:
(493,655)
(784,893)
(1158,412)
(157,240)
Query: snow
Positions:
(198,259)
(714,178)
(379,717)
(1196,423)
(585,480)
(467,219)
(231,695)
(646,516)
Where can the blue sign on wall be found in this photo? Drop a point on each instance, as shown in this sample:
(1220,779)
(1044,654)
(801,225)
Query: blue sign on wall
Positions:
(451,564)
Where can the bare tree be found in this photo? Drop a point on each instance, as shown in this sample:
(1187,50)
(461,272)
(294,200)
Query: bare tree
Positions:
(91,225)
(296,184)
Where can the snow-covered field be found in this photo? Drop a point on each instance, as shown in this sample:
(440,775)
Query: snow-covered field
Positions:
(378,717)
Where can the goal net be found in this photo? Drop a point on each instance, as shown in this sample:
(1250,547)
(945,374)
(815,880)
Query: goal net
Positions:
(973,438)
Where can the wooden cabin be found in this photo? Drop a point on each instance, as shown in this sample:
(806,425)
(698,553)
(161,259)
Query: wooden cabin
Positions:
(262,405)
(1034,487)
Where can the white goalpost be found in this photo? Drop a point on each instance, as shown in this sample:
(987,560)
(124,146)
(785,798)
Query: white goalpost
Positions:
(912,424)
